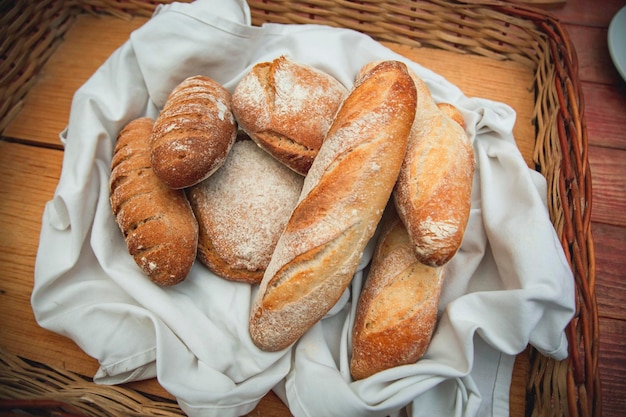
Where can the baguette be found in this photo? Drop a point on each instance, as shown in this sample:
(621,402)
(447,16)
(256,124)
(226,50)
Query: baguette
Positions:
(287,108)
(433,191)
(343,197)
(193,133)
(397,309)
(159,228)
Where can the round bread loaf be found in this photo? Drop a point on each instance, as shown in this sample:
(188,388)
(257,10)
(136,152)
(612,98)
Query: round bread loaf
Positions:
(193,133)
(287,108)
(159,227)
(242,209)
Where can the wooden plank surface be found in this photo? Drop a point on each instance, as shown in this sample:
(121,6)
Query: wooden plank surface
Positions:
(611,264)
(88,44)
(609,185)
(596,13)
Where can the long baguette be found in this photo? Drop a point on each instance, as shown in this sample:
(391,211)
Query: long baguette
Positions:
(397,308)
(344,195)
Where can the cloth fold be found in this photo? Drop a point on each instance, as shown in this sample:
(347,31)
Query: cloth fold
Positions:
(508,286)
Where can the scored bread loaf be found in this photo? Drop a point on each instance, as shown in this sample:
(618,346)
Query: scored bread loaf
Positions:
(193,133)
(343,197)
(159,228)
(397,309)
(433,192)
(241,211)
(287,107)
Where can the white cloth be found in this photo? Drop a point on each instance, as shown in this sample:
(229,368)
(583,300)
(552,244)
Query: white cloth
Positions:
(509,285)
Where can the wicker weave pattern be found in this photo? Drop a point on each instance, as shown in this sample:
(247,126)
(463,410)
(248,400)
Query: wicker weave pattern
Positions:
(487,28)
(29,35)
(42,387)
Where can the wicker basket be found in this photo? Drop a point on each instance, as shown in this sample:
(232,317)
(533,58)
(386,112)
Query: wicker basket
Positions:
(31,30)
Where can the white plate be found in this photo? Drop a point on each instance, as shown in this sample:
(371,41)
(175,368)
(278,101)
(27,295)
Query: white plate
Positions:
(617,41)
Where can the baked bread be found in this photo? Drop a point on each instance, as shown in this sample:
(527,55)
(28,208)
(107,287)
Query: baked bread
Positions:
(397,309)
(242,209)
(433,192)
(193,133)
(159,227)
(343,197)
(452,112)
(287,108)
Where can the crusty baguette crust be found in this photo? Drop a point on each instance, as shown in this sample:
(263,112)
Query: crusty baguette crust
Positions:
(397,309)
(433,192)
(193,133)
(242,209)
(159,227)
(287,107)
(452,112)
(344,195)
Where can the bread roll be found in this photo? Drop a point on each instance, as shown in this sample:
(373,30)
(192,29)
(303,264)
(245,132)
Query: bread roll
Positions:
(433,192)
(193,133)
(287,108)
(242,209)
(343,197)
(397,308)
(159,227)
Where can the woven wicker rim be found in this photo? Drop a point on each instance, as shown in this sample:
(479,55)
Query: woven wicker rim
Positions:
(31,31)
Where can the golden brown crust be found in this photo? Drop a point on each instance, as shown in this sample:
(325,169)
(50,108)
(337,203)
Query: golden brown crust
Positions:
(433,192)
(241,210)
(343,197)
(397,308)
(287,108)
(452,112)
(193,133)
(160,230)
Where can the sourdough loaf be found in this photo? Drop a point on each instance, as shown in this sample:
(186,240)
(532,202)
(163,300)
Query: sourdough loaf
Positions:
(343,198)
(287,107)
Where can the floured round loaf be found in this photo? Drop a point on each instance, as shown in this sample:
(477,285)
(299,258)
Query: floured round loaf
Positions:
(241,210)
(193,133)
(397,309)
(159,227)
(287,108)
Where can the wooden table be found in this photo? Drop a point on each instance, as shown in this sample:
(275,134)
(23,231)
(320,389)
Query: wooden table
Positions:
(31,156)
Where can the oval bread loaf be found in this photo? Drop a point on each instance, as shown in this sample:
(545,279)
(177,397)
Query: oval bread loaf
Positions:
(193,133)
(343,197)
(287,108)
(397,309)
(159,228)
(242,209)
(434,188)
